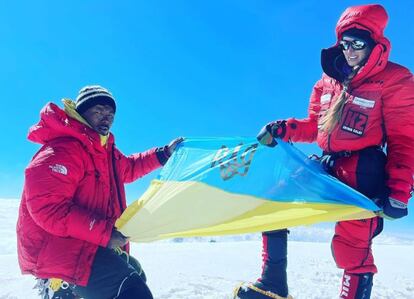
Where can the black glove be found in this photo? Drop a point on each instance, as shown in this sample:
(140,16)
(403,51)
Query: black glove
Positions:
(164,153)
(327,162)
(272,130)
(117,239)
(392,209)
(170,148)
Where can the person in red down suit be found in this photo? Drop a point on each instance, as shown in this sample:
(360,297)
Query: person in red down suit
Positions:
(361,115)
(73,194)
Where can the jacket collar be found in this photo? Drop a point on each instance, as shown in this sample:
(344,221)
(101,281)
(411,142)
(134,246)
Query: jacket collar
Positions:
(55,122)
(333,63)
(372,18)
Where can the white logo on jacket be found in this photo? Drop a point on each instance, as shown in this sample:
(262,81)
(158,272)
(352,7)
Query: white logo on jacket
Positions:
(364,102)
(91,224)
(346,284)
(59,169)
(326,98)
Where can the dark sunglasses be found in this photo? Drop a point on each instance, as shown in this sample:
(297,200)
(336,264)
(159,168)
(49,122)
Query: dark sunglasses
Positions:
(355,44)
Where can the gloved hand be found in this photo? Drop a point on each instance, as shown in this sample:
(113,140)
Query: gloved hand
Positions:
(392,209)
(275,129)
(117,239)
(165,152)
(170,148)
(327,162)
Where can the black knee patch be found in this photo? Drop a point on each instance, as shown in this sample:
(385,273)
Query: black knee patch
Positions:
(134,287)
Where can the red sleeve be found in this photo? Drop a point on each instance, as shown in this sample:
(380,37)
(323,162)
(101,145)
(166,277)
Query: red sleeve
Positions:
(137,165)
(306,130)
(398,103)
(51,180)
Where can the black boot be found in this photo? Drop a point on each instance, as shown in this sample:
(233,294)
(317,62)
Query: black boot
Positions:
(251,291)
(54,289)
(273,281)
(356,286)
(63,294)
(274,276)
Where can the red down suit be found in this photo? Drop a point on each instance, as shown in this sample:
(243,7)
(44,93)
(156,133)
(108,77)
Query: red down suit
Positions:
(379,105)
(73,194)
(379,109)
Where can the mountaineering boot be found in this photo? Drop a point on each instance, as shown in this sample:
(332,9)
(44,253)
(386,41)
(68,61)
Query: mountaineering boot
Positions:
(356,286)
(54,288)
(273,281)
(251,291)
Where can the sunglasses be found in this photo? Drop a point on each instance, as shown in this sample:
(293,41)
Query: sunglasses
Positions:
(355,44)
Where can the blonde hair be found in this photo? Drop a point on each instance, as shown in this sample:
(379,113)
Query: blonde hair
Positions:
(334,114)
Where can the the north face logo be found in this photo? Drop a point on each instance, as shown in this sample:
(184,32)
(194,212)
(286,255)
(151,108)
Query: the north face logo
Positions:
(59,169)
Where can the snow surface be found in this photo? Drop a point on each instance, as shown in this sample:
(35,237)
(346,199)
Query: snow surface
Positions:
(210,268)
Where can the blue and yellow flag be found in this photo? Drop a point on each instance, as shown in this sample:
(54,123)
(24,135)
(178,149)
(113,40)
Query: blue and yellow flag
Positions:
(219,186)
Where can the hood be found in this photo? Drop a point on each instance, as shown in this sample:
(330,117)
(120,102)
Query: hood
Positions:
(70,109)
(372,18)
(56,123)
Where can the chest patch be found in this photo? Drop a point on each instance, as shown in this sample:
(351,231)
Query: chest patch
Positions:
(326,98)
(355,122)
(363,102)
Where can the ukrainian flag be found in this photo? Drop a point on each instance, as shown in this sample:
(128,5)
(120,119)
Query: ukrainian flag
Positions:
(219,186)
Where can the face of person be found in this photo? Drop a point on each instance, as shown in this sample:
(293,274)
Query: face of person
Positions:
(355,50)
(100,117)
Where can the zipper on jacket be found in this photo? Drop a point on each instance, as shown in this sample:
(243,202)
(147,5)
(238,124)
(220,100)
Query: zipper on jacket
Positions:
(116,179)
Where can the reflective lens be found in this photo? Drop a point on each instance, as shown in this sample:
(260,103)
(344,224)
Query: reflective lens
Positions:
(355,44)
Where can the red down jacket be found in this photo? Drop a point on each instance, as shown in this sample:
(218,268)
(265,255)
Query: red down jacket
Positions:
(379,106)
(73,193)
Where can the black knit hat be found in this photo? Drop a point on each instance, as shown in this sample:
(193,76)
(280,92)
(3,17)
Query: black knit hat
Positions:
(360,34)
(93,95)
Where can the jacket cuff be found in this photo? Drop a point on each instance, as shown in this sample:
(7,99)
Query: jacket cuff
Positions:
(400,196)
(291,126)
(162,154)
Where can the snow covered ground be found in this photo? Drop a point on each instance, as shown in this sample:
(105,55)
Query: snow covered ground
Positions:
(199,269)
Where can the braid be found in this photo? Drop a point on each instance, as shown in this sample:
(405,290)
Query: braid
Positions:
(334,114)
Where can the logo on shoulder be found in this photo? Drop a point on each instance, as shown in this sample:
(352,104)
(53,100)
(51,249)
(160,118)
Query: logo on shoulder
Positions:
(326,98)
(59,169)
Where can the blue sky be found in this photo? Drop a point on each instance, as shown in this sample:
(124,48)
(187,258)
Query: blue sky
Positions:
(176,68)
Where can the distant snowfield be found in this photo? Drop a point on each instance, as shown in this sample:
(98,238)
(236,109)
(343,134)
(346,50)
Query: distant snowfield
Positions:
(211,270)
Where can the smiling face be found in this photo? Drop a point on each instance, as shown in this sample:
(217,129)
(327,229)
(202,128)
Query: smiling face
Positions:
(356,51)
(100,118)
